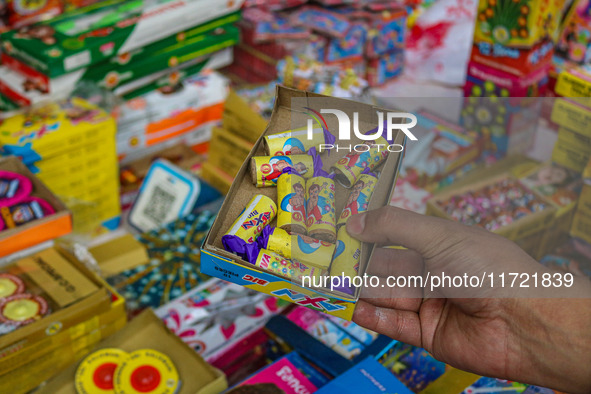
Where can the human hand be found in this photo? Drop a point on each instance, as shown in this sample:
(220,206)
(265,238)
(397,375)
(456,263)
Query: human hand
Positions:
(543,341)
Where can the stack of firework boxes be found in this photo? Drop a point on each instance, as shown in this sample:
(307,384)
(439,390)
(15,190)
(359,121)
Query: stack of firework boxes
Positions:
(81,309)
(119,45)
(232,142)
(70,146)
(511,55)
(367,38)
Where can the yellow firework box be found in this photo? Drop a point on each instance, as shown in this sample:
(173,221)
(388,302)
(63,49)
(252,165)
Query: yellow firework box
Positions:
(292,110)
(291,198)
(320,208)
(266,170)
(350,167)
(358,200)
(307,250)
(293,142)
(346,256)
(289,269)
(259,212)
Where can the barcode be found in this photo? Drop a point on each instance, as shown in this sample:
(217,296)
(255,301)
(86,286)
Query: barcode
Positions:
(159,205)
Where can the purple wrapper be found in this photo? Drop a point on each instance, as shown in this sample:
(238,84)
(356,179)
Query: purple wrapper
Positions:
(263,239)
(318,164)
(237,245)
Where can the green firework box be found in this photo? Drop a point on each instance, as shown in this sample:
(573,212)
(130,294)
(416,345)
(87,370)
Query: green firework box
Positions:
(24,88)
(83,38)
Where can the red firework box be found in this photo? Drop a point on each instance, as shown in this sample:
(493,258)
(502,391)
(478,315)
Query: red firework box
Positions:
(517,61)
(23,12)
(486,81)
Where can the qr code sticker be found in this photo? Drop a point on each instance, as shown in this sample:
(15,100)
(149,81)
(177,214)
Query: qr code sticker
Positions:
(159,205)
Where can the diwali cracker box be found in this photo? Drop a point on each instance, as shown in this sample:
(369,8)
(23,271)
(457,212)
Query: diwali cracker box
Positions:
(217,315)
(27,89)
(385,68)
(560,186)
(482,80)
(581,228)
(29,376)
(31,213)
(22,13)
(484,204)
(146,347)
(441,149)
(266,275)
(216,177)
(387,29)
(575,83)
(574,43)
(573,115)
(222,142)
(517,61)
(240,118)
(517,23)
(85,37)
(44,295)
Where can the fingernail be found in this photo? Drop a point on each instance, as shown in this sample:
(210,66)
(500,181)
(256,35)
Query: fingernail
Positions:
(356,224)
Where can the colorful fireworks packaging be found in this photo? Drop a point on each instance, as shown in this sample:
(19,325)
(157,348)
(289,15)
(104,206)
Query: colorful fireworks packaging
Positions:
(291,199)
(350,167)
(320,208)
(174,252)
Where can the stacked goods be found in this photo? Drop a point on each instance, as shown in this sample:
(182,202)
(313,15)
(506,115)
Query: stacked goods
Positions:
(52,308)
(29,213)
(573,116)
(118,45)
(574,43)
(511,56)
(366,38)
(581,228)
(144,357)
(19,13)
(240,129)
(180,110)
(70,146)
(285,177)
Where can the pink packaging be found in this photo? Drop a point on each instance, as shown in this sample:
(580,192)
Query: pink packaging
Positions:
(504,84)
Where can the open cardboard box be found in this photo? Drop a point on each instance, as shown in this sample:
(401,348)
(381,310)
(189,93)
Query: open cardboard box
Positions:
(518,230)
(56,274)
(288,115)
(37,231)
(147,331)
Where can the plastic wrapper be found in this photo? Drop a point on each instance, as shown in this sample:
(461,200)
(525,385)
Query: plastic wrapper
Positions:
(320,208)
(301,248)
(240,238)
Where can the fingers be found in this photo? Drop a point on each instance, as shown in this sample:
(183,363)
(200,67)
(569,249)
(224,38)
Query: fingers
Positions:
(394,226)
(400,325)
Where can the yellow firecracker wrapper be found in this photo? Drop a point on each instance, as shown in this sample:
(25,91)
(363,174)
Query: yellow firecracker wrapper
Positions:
(320,208)
(294,142)
(358,200)
(293,270)
(349,168)
(291,196)
(266,170)
(304,249)
(259,212)
(345,262)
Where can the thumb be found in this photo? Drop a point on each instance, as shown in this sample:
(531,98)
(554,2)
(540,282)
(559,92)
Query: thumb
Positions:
(391,226)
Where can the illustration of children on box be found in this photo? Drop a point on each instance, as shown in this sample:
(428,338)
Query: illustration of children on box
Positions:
(297,201)
(293,146)
(360,159)
(277,165)
(357,201)
(309,245)
(317,204)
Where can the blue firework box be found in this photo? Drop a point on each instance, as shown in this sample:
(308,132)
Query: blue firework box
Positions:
(292,110)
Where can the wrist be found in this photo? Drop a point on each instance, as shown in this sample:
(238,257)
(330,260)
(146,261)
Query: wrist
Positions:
(551,345)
